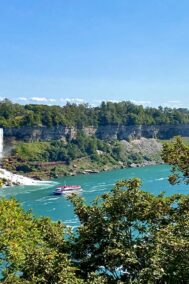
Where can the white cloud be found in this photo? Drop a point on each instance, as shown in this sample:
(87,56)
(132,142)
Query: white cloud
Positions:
(52,100)
(145,103)
(73,100)
(23,99)
(173,104)
(141,102)
(39,99)
(42,99)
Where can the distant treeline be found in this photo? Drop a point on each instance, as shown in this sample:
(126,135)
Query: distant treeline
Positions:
(122,113)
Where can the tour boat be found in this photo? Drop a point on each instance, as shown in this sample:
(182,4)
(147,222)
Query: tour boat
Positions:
(67,189)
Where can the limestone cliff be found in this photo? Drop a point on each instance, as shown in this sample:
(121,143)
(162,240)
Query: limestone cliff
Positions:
(109,132)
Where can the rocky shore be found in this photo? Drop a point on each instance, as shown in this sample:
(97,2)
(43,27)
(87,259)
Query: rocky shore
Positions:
(119,166)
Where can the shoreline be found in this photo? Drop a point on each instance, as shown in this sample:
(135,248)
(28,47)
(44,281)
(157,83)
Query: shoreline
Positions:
(73,171)
(136,153)
(10,179)
(133,165)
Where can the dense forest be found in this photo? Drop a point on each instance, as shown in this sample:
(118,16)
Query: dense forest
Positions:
(122,113)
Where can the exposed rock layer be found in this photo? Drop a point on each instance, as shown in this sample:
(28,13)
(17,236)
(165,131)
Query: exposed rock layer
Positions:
(109,132)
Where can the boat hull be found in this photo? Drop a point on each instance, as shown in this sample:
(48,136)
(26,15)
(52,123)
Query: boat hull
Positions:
(67,189)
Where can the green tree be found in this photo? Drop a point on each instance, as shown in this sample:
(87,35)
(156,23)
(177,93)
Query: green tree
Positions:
(176,153)
(32,250)
(134,236)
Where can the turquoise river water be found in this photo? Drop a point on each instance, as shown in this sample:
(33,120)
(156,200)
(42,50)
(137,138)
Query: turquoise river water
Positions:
(43,203)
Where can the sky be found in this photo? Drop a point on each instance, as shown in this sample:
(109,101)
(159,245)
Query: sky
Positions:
(88,51)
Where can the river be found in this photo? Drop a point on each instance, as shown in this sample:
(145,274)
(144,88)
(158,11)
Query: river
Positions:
(43,203)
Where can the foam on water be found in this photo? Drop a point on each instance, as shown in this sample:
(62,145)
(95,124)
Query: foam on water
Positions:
(46,203)
(160,179)
(53,198)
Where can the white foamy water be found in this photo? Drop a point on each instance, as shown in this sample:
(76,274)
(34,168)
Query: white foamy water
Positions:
(21,180)
(160,179)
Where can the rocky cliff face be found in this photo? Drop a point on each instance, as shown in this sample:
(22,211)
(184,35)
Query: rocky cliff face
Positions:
(123,132)
(40,133)
(109,132)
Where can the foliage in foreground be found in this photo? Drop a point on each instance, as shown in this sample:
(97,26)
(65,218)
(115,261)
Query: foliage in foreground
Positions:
(176,154)
(125,236)
(32,250)
(135,236)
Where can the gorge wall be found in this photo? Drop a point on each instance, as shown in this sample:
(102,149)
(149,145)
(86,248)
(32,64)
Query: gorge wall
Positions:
(109,132)
(1,143)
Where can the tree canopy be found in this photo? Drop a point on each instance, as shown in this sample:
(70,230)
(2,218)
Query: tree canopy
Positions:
(32,250)
(134,236)
(108,113)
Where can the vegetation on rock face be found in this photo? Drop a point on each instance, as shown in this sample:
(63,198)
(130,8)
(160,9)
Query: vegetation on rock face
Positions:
(123,113)
(79,154)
